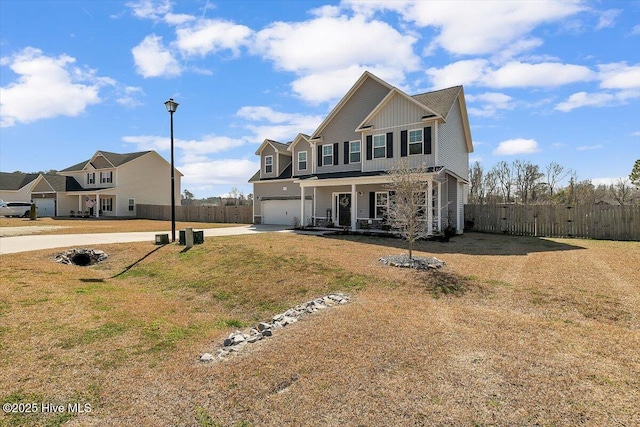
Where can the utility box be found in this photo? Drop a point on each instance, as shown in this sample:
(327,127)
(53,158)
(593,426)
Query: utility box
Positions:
(162,239)
(198,237)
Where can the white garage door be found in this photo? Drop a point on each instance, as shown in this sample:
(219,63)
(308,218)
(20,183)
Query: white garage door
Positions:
(46,207)
(282,212)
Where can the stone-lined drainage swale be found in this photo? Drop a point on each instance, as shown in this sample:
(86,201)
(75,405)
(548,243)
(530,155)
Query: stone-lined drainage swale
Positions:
(419,263)
(239,340)
(81,257)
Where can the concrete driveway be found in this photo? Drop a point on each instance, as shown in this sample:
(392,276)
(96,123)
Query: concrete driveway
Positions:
(15,244)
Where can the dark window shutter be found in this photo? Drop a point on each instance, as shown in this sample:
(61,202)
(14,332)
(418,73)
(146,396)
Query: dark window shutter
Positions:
(372,204)
(319,155)
(427,140)
(403,143)
(335,153)
(346,152)
(389,145)
(369,147)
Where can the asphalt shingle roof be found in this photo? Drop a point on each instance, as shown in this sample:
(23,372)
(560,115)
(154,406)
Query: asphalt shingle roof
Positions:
(439,101)
(15,180)
(115,159)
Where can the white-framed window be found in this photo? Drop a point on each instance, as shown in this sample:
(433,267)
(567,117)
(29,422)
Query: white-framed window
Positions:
(415,141)
(354,152)
(302,160)
(382,204)
(91,178)
(379,146)
(106,177)
(327,155)
(132,205)
(268,164)
(106,205)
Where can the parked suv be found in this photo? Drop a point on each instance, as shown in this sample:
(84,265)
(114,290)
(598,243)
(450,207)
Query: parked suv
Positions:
(15,209)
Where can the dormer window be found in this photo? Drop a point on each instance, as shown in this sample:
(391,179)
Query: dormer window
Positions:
(302,160)
(268,164)
(91,178)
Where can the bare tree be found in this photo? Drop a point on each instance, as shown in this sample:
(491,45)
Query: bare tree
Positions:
(554,174)
(620,191)
(527,179)
(476,188)
(407,210)
(504,176)
(490,184)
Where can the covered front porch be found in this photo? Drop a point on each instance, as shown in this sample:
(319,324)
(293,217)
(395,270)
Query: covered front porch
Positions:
(84,204)
(361,203)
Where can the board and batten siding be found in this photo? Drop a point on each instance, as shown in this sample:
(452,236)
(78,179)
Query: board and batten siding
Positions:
(342,127)
(273,189)
(302,146)
(452,148)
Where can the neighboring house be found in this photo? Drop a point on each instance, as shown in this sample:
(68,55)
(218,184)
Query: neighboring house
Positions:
(339,174)
(107,184)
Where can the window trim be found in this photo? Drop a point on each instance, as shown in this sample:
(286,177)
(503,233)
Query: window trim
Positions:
(384,146)
(106,204)
(106,177)
(325,155)
(352,152)
(132,205)
(420,143)
(377,205)
(91,178)
(267,164)
(306,156)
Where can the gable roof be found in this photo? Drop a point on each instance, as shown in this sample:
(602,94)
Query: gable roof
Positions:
(440,101)
(286,174)
(366,75)
(278,146)
(16,180)
(115,159)
(298,138)
(62,183)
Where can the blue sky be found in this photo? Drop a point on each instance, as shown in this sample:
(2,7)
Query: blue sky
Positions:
(545,80)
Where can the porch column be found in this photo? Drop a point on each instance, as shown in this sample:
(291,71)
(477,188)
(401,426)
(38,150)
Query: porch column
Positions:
(80,203)
(302,221)
(429,208)
(354,207)
(97,206)
(439,207)
(313,214)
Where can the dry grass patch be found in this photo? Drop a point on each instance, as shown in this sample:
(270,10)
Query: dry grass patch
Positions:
(101,225)
(514,331)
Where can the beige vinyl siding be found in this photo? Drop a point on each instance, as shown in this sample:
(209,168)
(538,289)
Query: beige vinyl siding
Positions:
(302,146)
(274,189)
(451,213)
(342,127)
(268,151)
(42,187)
(452,148)
(324,198)
(415,160)
(146,179)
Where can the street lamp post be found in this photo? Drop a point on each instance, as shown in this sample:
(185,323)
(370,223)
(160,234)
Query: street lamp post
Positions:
(172,106)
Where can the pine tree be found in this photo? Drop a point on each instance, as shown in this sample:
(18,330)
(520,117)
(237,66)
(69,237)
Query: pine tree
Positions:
(634,176)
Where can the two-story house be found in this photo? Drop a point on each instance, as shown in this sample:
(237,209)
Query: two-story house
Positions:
(107,184)
(339,174)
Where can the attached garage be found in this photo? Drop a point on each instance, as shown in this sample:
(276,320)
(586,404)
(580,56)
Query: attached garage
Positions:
(46,207)
(282,212)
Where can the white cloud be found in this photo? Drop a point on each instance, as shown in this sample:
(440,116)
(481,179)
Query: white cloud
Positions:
(511,74)
(637,133)
(208,144)
(178,18)
(490,103)
(211,35)
(607,18)
(152,59)
(619,76)
(512,147)
(266,123)
(128,96)
(326,50)
(47,87)
(635,30)
(205,174)
(476,27)
(149,9)
(596,99)
(589,147)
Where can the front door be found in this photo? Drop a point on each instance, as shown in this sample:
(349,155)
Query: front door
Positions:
(344,209)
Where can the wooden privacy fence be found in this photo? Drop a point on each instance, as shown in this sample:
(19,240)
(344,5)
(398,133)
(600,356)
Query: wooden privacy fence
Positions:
(589,221)
(228,214)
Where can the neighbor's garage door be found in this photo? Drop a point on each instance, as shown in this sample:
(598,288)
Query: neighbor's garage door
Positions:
(46,207)
(282,212)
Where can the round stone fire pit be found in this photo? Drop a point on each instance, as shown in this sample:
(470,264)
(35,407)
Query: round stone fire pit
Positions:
(81,257)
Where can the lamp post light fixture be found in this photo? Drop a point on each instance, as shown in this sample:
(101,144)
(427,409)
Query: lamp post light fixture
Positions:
(172,106)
